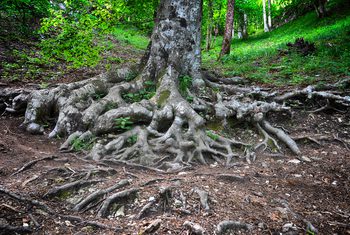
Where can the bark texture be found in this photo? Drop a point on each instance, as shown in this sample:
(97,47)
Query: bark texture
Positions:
(266,25)
(226,44)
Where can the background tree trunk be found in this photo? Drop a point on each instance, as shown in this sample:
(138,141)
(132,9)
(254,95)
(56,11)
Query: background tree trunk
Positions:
(266,26)
(226,44)
(210,25)
(245,26)
(269,14)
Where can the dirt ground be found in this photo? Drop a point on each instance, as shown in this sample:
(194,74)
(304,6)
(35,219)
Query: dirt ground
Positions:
(274,194)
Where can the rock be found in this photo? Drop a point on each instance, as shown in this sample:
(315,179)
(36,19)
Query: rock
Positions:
(26,225)
(68,223)
(151,199)
(294,161)
(120,212)
(35,129)
(261,226)
(305,159)
(289,227)
(177,203)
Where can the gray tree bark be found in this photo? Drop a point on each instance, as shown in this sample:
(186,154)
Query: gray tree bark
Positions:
(266,26)
(226,44)
(269,14)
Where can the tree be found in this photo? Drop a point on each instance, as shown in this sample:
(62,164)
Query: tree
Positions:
(266,26)
(320,8)
(226,44)
(269,14)
(154,116)
(209,25)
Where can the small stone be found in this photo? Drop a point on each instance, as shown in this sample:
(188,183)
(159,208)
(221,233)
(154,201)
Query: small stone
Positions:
(26,225)
(151,199)
(334,183)
(68,223)
(297,176)
(294,161)
(182,173)
(261,226)
(120,212)
(305,159)
(177,203)
(288,227)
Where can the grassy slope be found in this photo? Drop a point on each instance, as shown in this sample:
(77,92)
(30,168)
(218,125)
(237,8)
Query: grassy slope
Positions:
(258,58)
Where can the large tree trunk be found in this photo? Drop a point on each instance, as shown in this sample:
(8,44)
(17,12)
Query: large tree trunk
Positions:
(266,26)
(226,44)
(176,39)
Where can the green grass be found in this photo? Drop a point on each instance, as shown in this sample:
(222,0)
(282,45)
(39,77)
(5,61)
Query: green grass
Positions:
(258,58)
(131,37)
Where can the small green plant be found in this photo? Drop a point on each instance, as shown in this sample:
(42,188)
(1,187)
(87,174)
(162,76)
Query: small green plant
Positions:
(44,85)
(123,123)
(147,93)
(132,139)
(79,145)
(185,83)
(212,135)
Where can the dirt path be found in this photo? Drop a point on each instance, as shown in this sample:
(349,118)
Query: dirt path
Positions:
(276,195)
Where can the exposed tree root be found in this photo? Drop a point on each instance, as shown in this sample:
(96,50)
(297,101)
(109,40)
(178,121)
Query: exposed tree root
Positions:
(8,229)
(31,163)
(49,210)
(204,197)
(103,212)
(70,186)
(98,194)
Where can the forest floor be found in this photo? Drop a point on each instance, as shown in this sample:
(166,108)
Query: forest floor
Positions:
(274,194)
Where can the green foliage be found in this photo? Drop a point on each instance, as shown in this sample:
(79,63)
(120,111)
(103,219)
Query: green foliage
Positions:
(212,135)
(79,145)
(132,139)
(71,32)
(123,123)
(185,83)
(263,58)
(144,94)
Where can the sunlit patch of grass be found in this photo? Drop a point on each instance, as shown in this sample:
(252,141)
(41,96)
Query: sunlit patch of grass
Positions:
(259,58)
(131,37)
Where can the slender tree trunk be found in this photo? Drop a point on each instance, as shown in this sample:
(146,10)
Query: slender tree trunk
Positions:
(266,26)
(269,14)
(320,8)
(245,25)
(226,44)
(210,25)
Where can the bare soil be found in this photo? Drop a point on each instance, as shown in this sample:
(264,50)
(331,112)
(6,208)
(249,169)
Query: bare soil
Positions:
(271,193)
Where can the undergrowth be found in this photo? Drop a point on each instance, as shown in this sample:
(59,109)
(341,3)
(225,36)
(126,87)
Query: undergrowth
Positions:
(264,57)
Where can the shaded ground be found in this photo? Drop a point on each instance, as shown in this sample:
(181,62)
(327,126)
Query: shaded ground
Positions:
(270,193)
